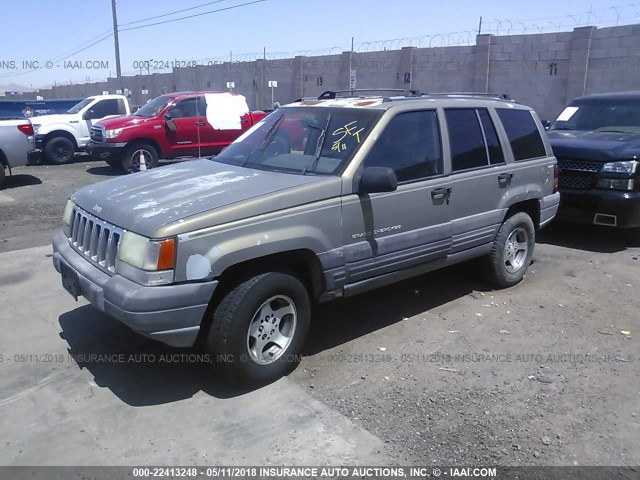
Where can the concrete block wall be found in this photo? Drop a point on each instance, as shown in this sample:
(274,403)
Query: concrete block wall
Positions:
(544,71)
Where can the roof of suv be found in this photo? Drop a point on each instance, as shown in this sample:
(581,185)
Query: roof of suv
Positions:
(411,98)
(633,95)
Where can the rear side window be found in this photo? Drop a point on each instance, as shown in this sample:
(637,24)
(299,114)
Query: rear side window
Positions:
(466,140)
(523,133)
(493,144)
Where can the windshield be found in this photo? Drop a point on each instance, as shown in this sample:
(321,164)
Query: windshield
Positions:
(153,107)
(303,140)
(601,115)
(79,106)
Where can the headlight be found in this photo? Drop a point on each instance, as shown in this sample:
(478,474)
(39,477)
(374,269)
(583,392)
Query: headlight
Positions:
(146,254)
(628,167)
(68,212)
(67,218)
(113,133)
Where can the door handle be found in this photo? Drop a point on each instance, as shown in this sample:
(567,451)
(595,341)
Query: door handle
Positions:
(201,124)
(243,121)
(505,177)
(440,193)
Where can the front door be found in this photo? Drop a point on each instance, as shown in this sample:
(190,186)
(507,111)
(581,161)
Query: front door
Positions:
(182,127)
(385,232)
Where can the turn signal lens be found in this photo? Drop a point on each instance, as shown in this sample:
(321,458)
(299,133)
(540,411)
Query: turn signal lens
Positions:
(167,254)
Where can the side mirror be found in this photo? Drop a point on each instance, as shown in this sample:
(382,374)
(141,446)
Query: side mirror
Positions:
(377,180)
(171,125)
(167,117)
(89,114)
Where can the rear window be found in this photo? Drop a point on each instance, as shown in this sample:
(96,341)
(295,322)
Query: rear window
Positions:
(523,133)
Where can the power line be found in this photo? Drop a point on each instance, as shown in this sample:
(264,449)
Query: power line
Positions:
(171,13)
(192,16)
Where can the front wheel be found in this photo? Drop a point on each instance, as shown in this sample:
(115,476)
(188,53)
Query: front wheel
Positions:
(259,328)
(59,150)
(512,251)
(132,158)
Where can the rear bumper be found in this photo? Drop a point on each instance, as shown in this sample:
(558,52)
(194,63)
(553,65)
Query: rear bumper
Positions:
(171,314)
(105,150)
(592,206)
(33,157)
(549,208)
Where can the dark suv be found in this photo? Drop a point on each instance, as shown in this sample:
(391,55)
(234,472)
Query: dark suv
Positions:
(597,142)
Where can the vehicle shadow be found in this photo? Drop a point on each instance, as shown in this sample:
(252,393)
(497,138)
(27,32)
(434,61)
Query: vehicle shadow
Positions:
(20,180)
(106,171)
(590,238)
(136,369)
(341,321)
(143,372)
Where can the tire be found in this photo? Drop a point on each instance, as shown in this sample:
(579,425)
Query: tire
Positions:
(3,174)
(59,150)
(245,356)
(131,157)
(512,251)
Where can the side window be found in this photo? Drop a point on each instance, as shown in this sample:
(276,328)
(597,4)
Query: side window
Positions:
(523,133)
(491,136)
(202,107)
(121,108)
(184,109)
(104,108)
(466,139)
(410,145)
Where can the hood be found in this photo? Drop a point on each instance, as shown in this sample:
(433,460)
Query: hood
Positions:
(123,121)
(54,118)
(145,202)
(596,146)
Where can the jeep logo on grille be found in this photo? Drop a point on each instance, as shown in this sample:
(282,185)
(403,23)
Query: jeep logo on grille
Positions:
(97,208)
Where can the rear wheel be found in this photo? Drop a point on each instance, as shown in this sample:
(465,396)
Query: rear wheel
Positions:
(259,328)
(59,150)
(2,174)
(512,251)
(132,160)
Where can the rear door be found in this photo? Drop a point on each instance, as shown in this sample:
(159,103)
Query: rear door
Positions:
(480,176)
(183,133)
(384,232)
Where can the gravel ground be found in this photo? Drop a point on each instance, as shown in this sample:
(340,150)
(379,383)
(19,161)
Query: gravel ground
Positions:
(443,369)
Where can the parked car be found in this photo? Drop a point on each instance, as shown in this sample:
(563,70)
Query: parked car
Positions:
(16,145)
(32,108)
(597,141)
(173,125)
(59,136)
(232,251)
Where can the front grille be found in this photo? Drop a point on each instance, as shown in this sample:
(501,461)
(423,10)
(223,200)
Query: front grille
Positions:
(578,174)
(96,134)
(95,239)
(579,165)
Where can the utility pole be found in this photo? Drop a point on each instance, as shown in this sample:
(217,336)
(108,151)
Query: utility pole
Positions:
(115,39)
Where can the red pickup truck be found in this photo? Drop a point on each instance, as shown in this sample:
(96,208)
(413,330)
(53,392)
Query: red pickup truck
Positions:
(172,125)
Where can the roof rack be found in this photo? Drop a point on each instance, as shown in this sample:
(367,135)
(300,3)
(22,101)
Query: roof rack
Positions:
(332,94)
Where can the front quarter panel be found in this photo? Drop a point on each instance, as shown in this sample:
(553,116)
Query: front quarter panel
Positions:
(208,253)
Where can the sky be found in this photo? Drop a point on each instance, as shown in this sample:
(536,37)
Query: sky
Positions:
(45,42)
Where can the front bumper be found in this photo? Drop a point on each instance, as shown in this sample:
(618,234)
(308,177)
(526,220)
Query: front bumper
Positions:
(171,314)
(105,150)
(583,206)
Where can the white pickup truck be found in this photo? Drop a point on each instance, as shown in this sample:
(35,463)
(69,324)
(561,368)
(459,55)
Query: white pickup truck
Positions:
(59,136)
(16,145)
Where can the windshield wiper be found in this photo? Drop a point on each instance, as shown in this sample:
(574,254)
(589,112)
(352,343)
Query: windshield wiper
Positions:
(316,154)
(267,139)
